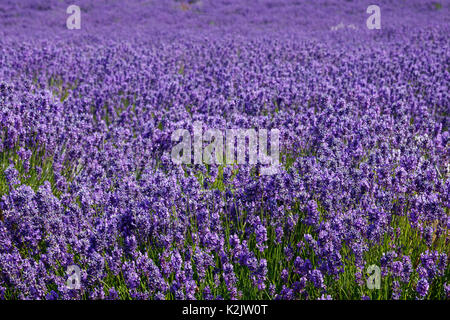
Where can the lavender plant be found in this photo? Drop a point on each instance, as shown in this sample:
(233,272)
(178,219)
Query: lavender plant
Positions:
(87,179)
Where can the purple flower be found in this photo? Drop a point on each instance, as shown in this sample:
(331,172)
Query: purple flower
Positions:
(316,278)
(422,287)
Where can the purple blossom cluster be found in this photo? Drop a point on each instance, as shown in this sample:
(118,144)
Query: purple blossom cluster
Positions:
(86,176)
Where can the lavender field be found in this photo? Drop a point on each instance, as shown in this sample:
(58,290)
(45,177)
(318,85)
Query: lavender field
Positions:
(355,205)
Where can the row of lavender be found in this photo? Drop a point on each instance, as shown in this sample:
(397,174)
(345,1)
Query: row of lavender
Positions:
(87,179)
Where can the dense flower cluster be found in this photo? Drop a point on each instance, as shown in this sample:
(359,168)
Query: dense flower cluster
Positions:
(86,176)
